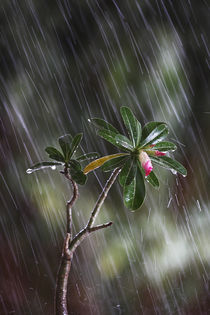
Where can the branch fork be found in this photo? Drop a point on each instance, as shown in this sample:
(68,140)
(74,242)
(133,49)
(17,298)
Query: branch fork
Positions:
(71,243)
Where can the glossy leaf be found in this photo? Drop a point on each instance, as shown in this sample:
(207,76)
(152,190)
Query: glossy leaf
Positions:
(76,173)
(134,193)
(74,164)
(128,172)
(99,162)
(42,165)
(78,176)
(169,163)
(132,124)
(118,140)
(100,123)
(124,142)
(155,136)
(75,143)
(65,144)
(149,127)
(153,180)
(55,154)
(87,156)
(114,163)
(165,146)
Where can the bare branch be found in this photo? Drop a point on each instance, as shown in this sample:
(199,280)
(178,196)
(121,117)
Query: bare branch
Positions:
(88,229)
(65,264)
(102,197)
(71,202)
(100,226)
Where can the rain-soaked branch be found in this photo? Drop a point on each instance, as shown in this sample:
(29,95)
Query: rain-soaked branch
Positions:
(70,244)
(70,203)
(89,227)
(65,264)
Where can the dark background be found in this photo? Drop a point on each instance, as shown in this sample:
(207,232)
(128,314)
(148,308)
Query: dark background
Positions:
(62,62)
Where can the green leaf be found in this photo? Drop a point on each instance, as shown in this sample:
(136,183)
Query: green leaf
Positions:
(75,143)
(99,162)
(128,172)
(78,176)
(42,165)
(155,136)
(149,127)
(113,163)
(134,193)
(55,154)
(124,142)
(165,146)
(132,124)
(100,123)
(74,164)
(65,144)
(169,163)
(76,173)
(153,180)
(87,156)
(116,139)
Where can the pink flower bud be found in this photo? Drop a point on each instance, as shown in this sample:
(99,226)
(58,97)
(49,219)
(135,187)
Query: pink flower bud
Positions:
(145,162)
(158,153)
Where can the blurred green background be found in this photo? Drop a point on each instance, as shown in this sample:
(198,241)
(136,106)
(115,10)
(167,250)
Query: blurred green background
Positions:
(62,62)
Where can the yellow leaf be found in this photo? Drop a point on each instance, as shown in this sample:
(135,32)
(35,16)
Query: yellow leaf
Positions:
(97,163)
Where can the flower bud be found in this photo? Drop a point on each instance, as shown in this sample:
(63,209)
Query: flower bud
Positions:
(145,162)
(158,153)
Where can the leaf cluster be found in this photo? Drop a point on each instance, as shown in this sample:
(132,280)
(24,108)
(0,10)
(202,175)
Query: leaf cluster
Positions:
(149,139)
(65,157)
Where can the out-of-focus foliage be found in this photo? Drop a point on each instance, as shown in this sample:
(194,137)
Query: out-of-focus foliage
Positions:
(62,62)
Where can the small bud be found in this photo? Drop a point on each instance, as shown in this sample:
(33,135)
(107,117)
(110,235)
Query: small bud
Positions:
(145,162)
(158,153)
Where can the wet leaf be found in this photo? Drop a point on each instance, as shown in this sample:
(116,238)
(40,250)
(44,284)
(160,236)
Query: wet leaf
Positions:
(65,144)
(78,176)
(128,172)
(101,123)
(113,163)
(134,193)
(132,124)
(76,173)
(155,136)
(75,164)
(124,142)
(153,180)
(118,140)
(55,154)
(169,163)
(87,156)
(165,146)
(42,165)
(75,143)
(149,127)
(99,162)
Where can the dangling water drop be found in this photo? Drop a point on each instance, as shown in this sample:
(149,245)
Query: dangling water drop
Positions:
(173,171)
(29,171)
